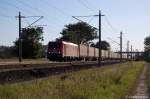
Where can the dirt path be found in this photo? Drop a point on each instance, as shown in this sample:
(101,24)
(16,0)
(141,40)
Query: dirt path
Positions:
(141,90)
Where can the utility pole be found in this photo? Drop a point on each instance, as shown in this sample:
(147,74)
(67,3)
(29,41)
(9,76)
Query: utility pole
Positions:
(99,15)
(128,49)
(20,33)
(120,46)
(100,50)
(20,38)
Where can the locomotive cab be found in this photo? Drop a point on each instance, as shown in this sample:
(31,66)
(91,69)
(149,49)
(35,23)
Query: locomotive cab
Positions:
(54,51)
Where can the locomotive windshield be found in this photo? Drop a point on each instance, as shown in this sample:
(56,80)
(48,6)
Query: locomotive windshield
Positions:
(54,45)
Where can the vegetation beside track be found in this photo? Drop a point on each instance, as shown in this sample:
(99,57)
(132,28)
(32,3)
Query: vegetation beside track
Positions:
(109,82)
(24,61)
(148,78)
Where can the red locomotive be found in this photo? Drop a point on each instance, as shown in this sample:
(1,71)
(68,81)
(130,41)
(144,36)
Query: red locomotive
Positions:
(62,51)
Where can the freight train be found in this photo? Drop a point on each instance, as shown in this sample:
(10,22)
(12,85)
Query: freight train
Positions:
(66,51)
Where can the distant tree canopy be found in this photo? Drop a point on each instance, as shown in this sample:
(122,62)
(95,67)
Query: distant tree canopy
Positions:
(147,48)
(31,42)
(104,45)
(7,52)
(147,43)
(78,33)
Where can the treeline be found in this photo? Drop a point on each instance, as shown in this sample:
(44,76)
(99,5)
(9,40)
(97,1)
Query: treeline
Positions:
(79,33)
(7,52)
(10,52)
(31,45)
(31,38)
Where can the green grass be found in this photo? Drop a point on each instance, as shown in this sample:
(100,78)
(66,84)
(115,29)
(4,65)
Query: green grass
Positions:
(24,61)
(148,78)
(109,82)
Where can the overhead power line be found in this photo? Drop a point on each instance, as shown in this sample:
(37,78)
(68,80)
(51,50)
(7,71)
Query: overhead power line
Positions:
(90,20)
(54,7)
(16,7)
(39,18)
(110,25)
(75,17)
(25,4)
(5,16)
(113,41)
(85,5)
(87,16)
(37,10)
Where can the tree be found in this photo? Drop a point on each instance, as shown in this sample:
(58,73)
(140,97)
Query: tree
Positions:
(31,42)
(147,43)
(7,52)
(78,33)
(104,45)
(147,49)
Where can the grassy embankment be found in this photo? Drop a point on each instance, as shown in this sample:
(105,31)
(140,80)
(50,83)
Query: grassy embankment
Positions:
(148,78)
(24,61)
(109,82)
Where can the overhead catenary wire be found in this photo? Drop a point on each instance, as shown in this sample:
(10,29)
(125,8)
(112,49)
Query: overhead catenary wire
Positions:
(14,6)
(90,20)
(37,10)
(18,8)
(115,42)
(83,21)
(31,7)
(56,8)
(40,17)
(86,6)
(64,13)
(106,21)
(5,16)
(110,25)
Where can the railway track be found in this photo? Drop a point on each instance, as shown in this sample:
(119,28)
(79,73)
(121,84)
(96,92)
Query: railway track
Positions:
(13,73)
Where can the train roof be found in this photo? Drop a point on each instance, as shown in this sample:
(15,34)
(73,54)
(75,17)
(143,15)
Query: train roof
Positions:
(69,43)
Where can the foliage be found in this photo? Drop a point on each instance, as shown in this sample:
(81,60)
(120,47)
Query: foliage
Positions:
(104,45)
(147,43)
(147,49)
(31,42)
(43,51)
(148,78)
(109,82)
(7,52)
(78,33)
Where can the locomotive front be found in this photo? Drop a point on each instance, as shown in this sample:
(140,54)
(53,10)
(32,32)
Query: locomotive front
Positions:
(54,51)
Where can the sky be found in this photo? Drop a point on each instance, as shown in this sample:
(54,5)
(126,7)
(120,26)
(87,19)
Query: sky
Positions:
(132,17)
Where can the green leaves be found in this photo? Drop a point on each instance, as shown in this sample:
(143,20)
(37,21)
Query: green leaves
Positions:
(104,45)
(31,42)
(147,49)
(80,32)
(147,43)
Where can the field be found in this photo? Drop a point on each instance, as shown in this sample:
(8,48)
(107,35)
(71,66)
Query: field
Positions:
(109,82)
